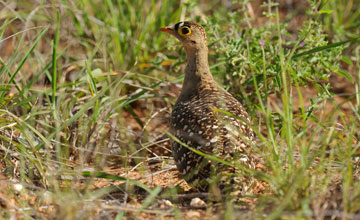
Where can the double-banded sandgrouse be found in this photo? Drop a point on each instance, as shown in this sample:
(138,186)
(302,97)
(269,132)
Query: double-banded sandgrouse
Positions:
(209,119)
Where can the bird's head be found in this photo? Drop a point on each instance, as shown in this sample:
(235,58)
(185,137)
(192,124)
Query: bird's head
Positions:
(190,34)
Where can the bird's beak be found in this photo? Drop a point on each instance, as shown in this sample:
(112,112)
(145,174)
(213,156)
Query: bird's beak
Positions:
(167,29)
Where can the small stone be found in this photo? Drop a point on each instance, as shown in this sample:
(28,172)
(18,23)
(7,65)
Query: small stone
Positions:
(197,202)
(168,203)
(165,204)
(18,187)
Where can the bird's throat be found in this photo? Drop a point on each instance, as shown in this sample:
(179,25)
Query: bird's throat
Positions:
(197,73)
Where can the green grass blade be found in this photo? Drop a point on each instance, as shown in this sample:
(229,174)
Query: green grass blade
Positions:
(54,58)
(78,114)
(24,59)
(327,47)
(150,198)
(104,175)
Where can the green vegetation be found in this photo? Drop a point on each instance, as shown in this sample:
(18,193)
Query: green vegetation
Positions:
(86,88)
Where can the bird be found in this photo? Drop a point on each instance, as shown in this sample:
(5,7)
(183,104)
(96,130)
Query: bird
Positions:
(208,119)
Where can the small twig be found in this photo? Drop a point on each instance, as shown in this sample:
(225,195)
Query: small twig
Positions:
(132,209)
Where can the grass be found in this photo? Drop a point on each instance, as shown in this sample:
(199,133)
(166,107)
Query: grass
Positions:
(87,87)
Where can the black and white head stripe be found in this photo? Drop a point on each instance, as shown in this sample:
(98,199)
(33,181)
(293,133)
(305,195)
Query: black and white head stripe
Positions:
(180,24)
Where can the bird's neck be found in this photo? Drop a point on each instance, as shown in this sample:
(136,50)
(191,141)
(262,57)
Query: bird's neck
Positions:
(197,73)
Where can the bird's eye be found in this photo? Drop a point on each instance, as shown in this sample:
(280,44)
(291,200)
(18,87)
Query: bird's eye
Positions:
(184,31)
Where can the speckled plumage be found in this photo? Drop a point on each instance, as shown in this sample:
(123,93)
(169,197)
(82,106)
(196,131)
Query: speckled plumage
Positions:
(197,122)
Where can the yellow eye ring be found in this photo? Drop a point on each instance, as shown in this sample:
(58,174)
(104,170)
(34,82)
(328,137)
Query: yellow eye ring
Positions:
(184,31)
